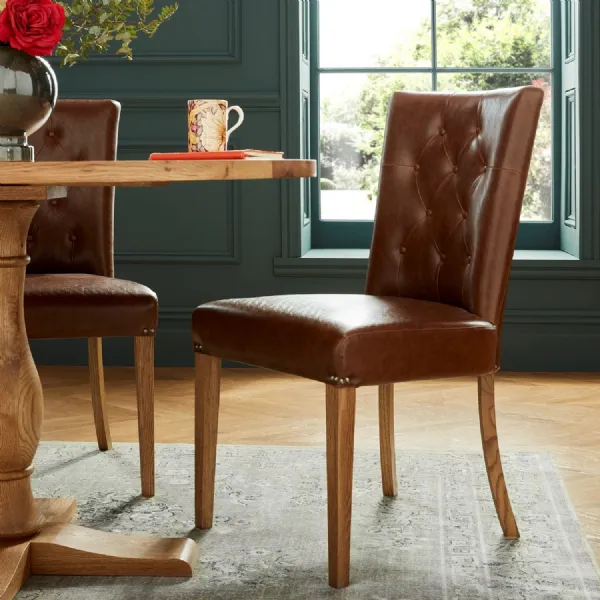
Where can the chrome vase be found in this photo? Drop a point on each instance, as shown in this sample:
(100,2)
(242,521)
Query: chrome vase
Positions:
(28,93)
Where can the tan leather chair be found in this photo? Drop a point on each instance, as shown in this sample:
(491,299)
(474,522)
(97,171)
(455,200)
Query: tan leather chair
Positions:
(454,171)
(70,289)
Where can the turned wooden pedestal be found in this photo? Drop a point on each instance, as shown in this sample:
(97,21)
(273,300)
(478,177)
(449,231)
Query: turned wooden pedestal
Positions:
(35,535)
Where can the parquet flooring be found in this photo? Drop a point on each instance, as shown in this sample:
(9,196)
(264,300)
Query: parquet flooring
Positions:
(557,413)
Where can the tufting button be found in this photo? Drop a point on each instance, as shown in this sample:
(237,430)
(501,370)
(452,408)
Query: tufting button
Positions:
(484,168)
(403,250)
(73,237)
(428,212)
(53,202)
(455,169)
(417,167)
(442,257)
(465,215)
(442,131)
(478,131)
(51,134)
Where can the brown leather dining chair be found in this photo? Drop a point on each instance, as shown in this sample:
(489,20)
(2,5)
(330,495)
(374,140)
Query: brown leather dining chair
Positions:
(70,289)
(453,177)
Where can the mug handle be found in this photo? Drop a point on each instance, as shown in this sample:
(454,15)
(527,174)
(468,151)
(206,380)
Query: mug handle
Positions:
(240,113)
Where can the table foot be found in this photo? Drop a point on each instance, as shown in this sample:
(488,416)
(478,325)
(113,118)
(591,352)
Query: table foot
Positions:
(75,550)
(14,567)
(61,548)
(56,511)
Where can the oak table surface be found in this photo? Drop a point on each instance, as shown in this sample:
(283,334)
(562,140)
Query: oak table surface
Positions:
(147,172)
(35,535)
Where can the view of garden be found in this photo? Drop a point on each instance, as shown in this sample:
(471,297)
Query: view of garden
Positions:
(469,34)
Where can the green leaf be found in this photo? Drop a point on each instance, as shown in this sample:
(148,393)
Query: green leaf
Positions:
(91,26)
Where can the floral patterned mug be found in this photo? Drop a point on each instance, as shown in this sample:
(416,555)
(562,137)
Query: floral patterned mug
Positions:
(208,129)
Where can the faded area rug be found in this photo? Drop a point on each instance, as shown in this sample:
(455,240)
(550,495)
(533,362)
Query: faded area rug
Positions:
(439,540)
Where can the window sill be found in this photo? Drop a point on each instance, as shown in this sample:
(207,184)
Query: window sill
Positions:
(527,264)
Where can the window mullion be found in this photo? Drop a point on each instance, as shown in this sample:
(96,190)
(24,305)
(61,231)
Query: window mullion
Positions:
(434,79)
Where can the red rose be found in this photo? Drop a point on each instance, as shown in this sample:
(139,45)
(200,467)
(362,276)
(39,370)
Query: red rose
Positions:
(33,26)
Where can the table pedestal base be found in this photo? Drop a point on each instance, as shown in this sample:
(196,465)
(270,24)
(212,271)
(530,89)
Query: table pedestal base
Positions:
(64,549)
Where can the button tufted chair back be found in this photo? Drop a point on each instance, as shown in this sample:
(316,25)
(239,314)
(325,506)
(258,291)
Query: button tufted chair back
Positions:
(75,234)
(453,176)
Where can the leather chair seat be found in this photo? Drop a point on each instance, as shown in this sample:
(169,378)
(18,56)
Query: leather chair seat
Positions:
(358,339)
(87,306)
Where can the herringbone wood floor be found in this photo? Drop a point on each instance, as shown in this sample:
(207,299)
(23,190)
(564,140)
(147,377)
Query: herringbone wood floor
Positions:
(554,413)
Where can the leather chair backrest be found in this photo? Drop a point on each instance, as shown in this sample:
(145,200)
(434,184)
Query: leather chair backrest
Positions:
(75,234)
(453,177)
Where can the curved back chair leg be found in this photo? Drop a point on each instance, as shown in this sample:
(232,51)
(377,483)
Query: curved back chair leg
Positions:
(387,445)
(96,368)
(144,375)
(491,453)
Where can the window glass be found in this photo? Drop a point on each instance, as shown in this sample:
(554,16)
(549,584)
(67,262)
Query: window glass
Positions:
(368,50)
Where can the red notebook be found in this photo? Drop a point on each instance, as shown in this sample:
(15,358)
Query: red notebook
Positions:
(227,155)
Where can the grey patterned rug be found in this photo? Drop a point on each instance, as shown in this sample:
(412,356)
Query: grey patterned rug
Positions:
(440,540)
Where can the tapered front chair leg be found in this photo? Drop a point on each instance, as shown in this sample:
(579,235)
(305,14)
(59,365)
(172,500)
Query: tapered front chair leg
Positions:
(96,368)
(208,379)
(340,410)
(491,453)
(387,445)
(144,374)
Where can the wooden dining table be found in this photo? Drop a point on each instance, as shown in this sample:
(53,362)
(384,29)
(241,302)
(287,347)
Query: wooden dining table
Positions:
(36,536)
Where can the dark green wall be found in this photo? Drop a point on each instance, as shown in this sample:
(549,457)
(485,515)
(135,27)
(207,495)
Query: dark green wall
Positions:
(196,242)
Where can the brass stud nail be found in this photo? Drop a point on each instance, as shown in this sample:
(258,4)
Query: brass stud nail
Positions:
(145,331)
(347,379)
(53,202)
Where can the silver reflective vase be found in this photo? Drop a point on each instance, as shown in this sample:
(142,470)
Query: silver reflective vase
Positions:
(28,92)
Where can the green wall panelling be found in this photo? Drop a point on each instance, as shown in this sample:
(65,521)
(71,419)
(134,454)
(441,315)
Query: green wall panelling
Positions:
(194,243)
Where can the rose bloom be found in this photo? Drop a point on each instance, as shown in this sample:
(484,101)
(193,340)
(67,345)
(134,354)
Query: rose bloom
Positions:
(33,26)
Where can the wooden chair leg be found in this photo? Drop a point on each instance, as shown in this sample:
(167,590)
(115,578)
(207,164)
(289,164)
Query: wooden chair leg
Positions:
(208,380)
(340,410)
(144,375)
(491,453)
(387,446)
(96,368)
